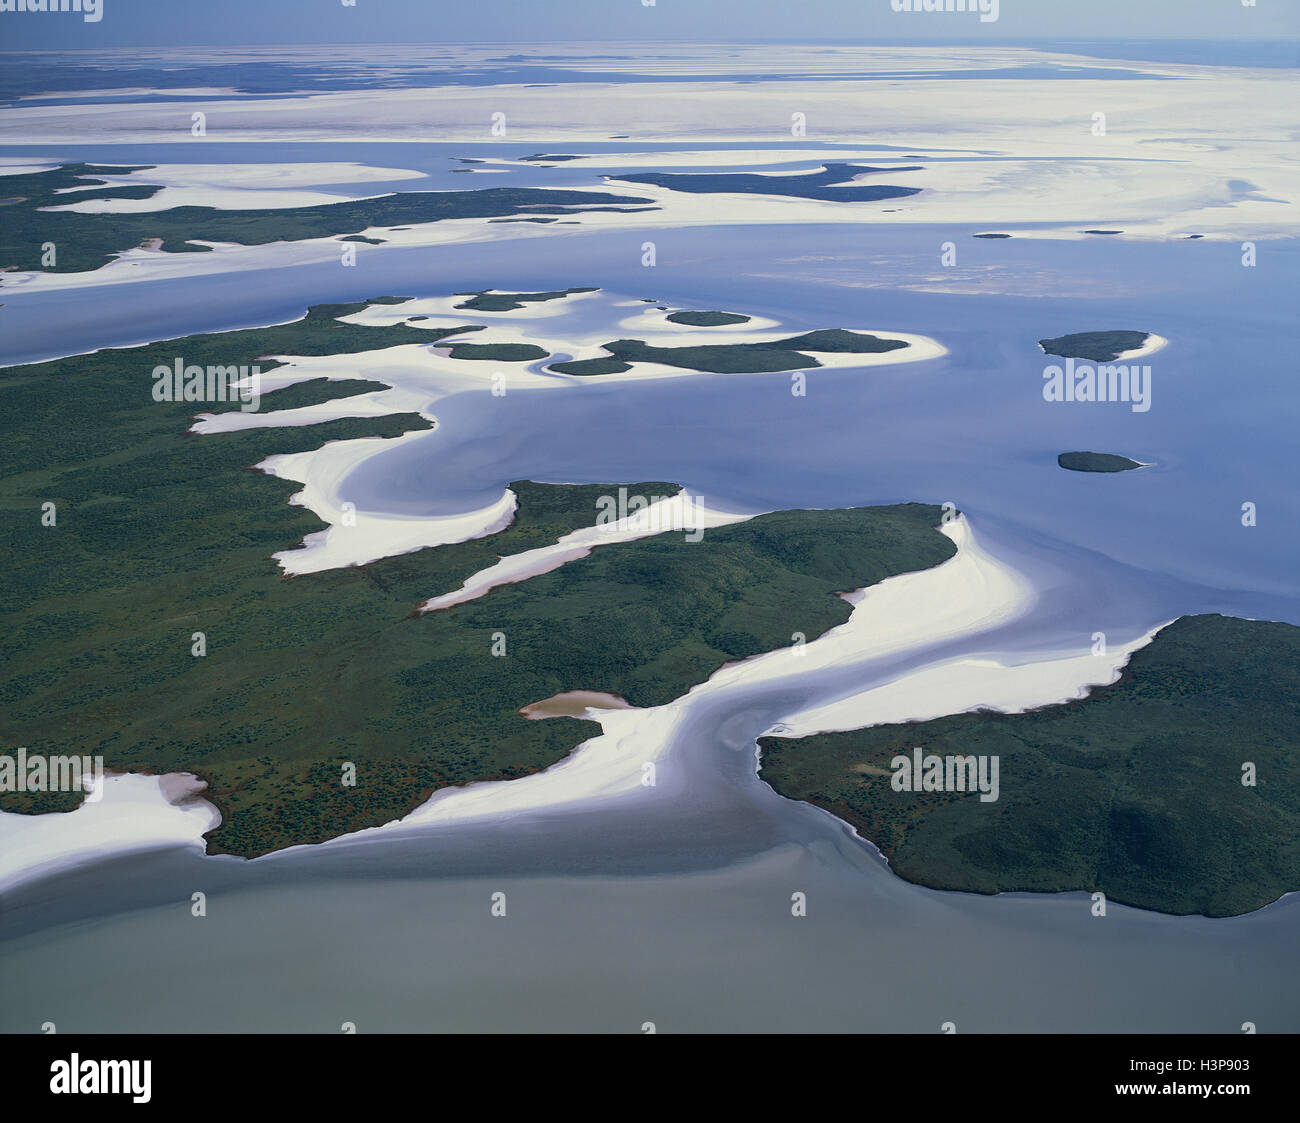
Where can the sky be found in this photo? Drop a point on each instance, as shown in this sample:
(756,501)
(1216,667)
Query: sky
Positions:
(148,23)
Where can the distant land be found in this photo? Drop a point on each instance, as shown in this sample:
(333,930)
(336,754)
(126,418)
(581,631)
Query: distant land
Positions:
(89,241)
(834,183)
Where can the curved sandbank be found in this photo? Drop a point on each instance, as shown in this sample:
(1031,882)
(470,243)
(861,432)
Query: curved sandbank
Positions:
(984,681)
(130,813)
(356,537)
(971,593)
(419,375)
(894,620)
(1149,346)
(678,513)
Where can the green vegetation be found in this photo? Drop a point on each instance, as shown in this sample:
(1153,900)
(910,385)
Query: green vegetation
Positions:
(313,392)
(498,352)
(1134,791)
(834,183)
(706,319)
(486,301)
(1095,346)
(1096,462)
(733,358)
(87,241)
(591,367)
(161,533)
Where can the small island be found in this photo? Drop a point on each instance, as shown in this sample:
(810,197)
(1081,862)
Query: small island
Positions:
(793,353)
(489,301)
(1095,346)
(496,352)
(706,319)
(1096,462)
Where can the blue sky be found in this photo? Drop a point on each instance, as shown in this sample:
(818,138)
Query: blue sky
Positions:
(215,22)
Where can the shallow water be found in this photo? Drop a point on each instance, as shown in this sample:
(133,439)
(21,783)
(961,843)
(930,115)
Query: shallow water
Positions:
(971,428)
(674,907)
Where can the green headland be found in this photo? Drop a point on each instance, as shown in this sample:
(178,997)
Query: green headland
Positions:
(1135,791)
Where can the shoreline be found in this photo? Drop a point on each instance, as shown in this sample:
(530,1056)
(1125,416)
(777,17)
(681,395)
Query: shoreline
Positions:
(610,767)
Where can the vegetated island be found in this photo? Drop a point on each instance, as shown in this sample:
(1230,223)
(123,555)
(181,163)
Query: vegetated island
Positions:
(828,185)
(88,241)
(733,358)
(1095,346)
(496,352)
(162,533)
(489,301)
(1096,462)
(1135,791)
(706,319)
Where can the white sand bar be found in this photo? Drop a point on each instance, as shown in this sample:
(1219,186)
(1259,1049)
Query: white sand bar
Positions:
(233,186)
(132,813)
(675,513)
(984,682)
(971,593)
